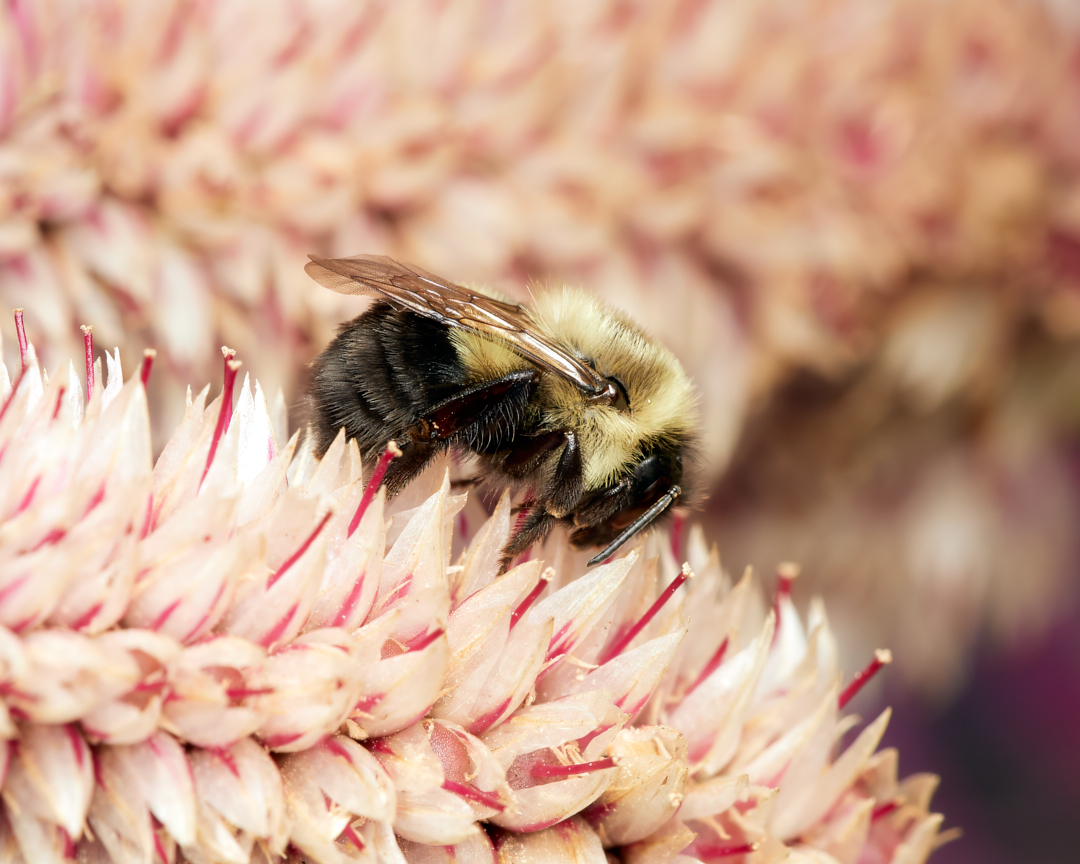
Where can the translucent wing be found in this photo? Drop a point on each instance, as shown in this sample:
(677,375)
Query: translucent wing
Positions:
(428,295)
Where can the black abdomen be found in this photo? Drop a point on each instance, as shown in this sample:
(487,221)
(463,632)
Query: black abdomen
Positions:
(379,375)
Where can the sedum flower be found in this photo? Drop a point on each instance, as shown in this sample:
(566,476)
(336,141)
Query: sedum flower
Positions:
(239,654)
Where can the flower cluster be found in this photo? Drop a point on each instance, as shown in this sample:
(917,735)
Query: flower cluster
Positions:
(240,653)
(826,187)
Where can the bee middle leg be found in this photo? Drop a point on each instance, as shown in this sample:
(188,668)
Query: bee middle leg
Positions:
(483,413)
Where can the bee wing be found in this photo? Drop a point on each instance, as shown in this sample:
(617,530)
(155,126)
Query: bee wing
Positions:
(432,297)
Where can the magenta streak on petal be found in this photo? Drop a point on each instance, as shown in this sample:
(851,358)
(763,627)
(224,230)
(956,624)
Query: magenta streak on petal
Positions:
(292,559)
(19,626)
(657,605)
(281,740)
(349,605)
(20,331)
(247,692)
(7,590)
(55,535)
(555,646)
(225,412)
(95,763)
(884,810)
(711,850)
(59,401)
(87,616)
(471,793)
(28,498)
(487,720)
(279,628)
(399,590)
(164,616)
(76,743)
(544,772)
(783,590)
(353,837)
(586,739)
(379,745)
(424,641)
(633,709)
(88,344)
(525,604)
(8,689)
(709,668)
(11,395)
(205,616)
(226,757)
(368,702)
(149,517)
(336,748)
(148,363)
(69,846)
(597,813)
(99,496)
(373,485)
(160,848)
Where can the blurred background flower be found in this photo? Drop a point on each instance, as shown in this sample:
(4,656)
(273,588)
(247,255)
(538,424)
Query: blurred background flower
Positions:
(856,221)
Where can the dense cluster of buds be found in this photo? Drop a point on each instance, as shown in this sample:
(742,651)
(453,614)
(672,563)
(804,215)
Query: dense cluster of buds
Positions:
(826,186)
(240,653)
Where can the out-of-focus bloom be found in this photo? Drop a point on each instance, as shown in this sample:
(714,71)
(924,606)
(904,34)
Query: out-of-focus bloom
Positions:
(272,681)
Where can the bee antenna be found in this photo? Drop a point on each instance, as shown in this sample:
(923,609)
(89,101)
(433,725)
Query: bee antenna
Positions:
(640,524)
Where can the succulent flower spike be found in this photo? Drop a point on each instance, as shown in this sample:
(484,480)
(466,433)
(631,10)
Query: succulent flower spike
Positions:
(242,654)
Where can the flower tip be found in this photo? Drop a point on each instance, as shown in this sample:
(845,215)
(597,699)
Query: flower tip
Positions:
(148,362)
(227,352)
(393,449)
(883,656)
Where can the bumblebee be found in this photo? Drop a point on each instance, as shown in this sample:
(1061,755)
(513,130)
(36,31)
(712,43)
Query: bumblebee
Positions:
(569,401)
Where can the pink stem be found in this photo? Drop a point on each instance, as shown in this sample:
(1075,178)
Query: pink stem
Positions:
(373,485)
(20,331)
(88,344)
(881,658)
(225,413)
(657,605)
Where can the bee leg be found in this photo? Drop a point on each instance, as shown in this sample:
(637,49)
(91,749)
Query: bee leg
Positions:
(415,455)
(567,482)
(532,529)
(484,413)
(480,413)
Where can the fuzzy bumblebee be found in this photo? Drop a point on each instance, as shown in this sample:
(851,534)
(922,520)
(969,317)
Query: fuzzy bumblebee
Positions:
(569,402)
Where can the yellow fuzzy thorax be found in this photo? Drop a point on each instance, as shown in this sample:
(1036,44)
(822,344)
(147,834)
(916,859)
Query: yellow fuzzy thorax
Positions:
(662,401)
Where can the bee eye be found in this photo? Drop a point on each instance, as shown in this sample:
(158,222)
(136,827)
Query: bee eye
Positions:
(622,400)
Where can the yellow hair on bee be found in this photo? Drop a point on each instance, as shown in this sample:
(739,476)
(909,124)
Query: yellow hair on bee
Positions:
(662,401)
